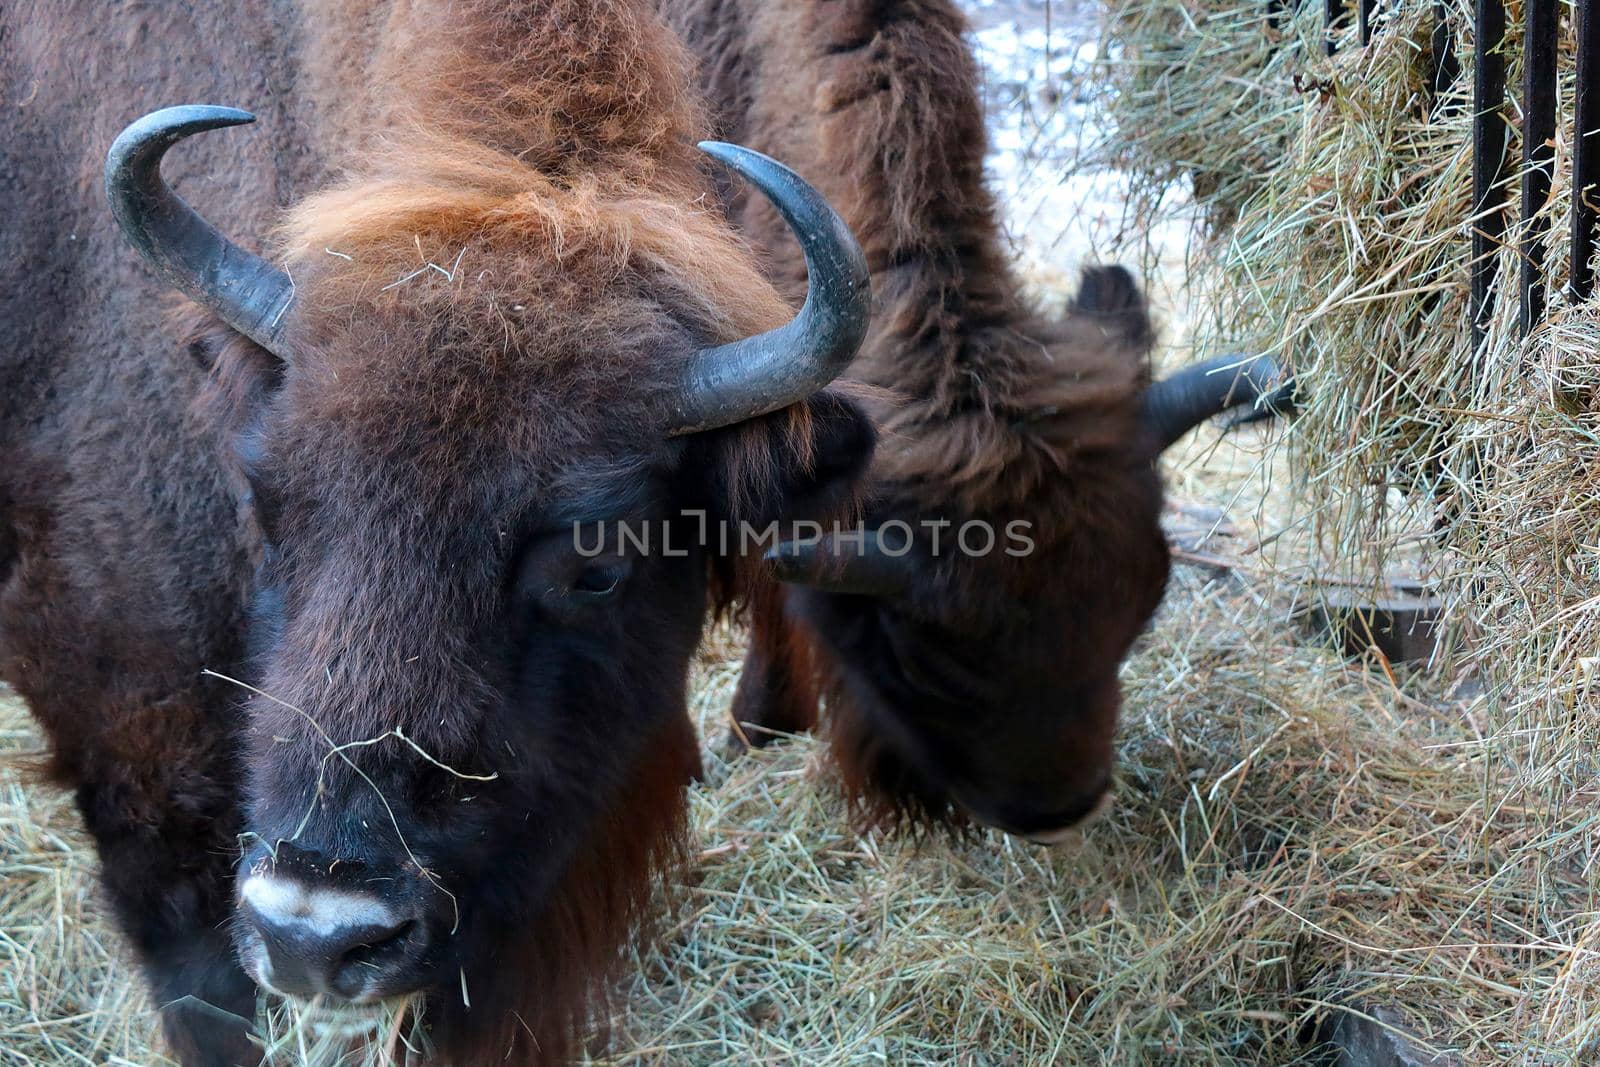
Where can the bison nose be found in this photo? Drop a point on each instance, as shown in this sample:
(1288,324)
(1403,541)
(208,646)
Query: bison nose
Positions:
(305,938)
(1063,825)
(1064,831)
(1045,824)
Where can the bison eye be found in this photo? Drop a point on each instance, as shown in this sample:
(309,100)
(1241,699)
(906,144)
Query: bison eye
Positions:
(552,574)
(601,581)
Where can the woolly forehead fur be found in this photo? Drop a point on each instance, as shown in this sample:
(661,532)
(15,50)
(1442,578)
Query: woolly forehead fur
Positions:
(563,311)
(523,226)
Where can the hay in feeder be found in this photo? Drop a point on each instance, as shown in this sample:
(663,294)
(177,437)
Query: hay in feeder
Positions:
(1200,98)
(1351,262)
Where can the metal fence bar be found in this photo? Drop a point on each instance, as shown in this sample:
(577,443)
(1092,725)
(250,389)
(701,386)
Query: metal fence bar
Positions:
(1586,150)
(1446,68)
(1365,20)
(1489,137)
(1333,19)
(1538,152)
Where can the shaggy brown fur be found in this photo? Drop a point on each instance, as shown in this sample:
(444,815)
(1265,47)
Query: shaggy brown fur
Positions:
(125,557)
(495,292)
(991,686)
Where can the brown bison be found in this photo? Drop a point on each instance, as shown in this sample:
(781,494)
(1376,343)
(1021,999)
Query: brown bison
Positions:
(498,306)
(969,644)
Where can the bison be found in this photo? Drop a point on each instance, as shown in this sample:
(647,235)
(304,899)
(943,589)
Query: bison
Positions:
(975,679)
(289,577)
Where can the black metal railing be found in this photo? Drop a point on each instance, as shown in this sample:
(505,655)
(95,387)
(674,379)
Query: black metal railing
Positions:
(1490,137)
(1538,153)
(1491,140)
(1585,148)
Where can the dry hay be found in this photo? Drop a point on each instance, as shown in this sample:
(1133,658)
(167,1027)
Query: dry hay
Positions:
(1295,835)
(1530,576)
(1350,263)
(1197,99)
(67,996)
(1350,260)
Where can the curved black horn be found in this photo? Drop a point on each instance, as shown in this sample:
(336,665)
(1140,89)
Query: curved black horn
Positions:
(250,294)
(743,379)
(843,565)
(1177,404)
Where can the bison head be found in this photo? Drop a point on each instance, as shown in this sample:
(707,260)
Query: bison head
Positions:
(972,638)
(467,741)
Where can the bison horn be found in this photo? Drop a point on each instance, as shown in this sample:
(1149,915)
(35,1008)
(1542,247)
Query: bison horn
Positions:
(1177,404)
(743,379)
(249,294)
(843,565)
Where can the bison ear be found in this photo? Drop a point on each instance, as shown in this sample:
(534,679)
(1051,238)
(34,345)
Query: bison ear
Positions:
(801,464)
(1110,295)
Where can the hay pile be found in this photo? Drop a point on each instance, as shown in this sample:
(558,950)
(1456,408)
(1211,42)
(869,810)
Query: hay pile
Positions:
(1530,550)
(1199,100)
(1351,262)
(1292,833)
(1295,835)
(67,994)
(1349,259)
